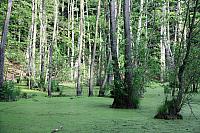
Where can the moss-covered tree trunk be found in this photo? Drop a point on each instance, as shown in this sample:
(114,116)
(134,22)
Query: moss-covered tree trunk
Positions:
(132,100)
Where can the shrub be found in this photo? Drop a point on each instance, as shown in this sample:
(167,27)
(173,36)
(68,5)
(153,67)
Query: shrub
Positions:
(55,86)
(8,92)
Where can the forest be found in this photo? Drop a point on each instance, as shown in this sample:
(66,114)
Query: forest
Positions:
(99,66)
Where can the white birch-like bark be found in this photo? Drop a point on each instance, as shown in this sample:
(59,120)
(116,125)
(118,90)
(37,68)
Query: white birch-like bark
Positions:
(94,50)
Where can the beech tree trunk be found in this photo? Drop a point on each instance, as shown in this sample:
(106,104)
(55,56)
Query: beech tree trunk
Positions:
(3,42)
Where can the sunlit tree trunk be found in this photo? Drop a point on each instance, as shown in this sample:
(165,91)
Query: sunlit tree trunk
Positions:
(163,43)
(89,42)
(72,26)
(119,3)
(78,87)
(139,32)
(54,41)
(34,41)
(91,87)
(42,42)
(3,42)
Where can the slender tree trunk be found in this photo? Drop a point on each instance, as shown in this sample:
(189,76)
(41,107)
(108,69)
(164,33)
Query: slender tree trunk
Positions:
(34,41)
(118,25)
(175,105)
(3,42)
(182,68)
(79,90)
(139,32)
(51,46)
(42,42)
(162,43)
(72,26)
(50,69)
(91,87)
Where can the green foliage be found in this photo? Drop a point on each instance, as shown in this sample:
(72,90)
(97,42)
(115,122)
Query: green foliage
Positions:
(9,92)
(15,56)
(140,80)
(55,86)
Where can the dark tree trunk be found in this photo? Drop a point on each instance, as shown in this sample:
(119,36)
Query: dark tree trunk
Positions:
(3,42)
(50,69)
(117,79)
(132,95)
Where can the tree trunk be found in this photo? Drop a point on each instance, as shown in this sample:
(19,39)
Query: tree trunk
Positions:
(34,41)
(91,87)
(42,42)
(139,32)
(132,94)
(175,105)
(72,26)
(3,42)
(162,44)
(79,90)
(117,78)
(51,46)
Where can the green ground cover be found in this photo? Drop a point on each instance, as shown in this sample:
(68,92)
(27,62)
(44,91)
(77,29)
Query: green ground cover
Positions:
(41,114)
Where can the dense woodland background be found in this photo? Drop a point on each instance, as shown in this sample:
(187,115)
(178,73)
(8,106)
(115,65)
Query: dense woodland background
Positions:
(119,46)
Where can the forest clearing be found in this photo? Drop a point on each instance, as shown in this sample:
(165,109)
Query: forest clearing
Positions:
(99,66)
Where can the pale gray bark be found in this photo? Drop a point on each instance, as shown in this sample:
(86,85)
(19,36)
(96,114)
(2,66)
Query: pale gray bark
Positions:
(54,41)
(72,26)
(163,43)
(79,90)
(3,42)
(42,17)
(94,51)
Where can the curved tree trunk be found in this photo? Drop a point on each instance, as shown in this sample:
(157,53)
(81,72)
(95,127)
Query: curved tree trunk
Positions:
(175,105)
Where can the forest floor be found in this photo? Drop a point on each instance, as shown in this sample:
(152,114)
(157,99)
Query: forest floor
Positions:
(41,114)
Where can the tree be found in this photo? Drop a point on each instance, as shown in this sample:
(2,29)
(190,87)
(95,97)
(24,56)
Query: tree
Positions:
(132,93)
(172,108)
(54,41)
(42,42)
(78,87)
(94,51)
(3,42)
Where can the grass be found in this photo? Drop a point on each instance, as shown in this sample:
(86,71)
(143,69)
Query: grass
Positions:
(84,114)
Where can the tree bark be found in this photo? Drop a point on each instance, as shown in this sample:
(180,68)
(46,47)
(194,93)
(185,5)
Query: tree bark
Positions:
(3,42)
(42,42)
(131,92)
(91,87)
(72,26)
(78,87)
(163,44)
(117,78)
